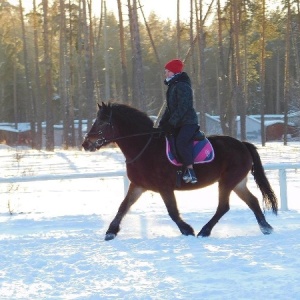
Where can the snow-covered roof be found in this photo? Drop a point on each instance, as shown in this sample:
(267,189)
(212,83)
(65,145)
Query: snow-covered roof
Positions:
(272,122)
(21,127)
(294,114)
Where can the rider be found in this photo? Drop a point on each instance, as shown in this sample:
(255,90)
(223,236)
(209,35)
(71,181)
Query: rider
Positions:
(180,117)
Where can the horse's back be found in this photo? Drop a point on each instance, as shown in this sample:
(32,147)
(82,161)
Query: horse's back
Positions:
(230,147)
(232,160)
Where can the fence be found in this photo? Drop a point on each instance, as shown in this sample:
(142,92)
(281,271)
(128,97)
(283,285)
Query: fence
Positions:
(69,176)
(281,167)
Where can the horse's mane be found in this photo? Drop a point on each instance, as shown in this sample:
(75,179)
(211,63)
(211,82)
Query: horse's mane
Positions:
(132,117)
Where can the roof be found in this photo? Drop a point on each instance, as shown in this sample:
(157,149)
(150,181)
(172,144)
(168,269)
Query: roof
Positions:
(21,127)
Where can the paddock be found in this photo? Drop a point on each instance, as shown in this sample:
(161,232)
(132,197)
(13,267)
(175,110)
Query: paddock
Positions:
(52,245)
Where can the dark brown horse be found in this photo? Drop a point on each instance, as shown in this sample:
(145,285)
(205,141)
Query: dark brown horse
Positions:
(149,169)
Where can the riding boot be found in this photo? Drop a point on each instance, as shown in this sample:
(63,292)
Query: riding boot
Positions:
(189,176)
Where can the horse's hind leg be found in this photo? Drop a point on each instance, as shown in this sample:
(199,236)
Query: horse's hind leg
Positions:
(243,192)
(132,196)
(170,201)
(222,209)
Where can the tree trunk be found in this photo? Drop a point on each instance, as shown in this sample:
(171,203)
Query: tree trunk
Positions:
(192,51)
(262,77)
(138,72)
(97,50)
(89,92)
(297,45)
(37,83)
(245,85)
(238,95)
(160,66)
(16,115)
(63,79)
(125,96)
(106,59)
(278,82)
(71,82)
(80,88)
(178,30)
(30,91)
(48,82)
(287,71)
(223,75)
(201,45)
(193,62)
(231,109)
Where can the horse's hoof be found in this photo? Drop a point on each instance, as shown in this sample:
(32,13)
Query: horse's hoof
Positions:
(266,230)
(265,227)
(186,229)
(204,232)
(188,233)
(110,236)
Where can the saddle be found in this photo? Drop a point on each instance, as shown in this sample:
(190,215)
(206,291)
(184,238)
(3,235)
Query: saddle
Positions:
(203,151)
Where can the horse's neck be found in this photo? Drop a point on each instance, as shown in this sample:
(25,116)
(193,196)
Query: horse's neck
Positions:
(132,146)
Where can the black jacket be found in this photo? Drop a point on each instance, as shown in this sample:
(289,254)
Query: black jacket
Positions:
(179,110)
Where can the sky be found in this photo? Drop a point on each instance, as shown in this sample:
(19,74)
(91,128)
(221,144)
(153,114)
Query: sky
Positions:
(164,9)
(52,244)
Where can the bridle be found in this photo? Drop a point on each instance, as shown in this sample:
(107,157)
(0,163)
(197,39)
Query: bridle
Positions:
(102,140)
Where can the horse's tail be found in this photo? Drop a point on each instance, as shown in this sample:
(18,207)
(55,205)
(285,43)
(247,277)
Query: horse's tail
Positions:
(269,198)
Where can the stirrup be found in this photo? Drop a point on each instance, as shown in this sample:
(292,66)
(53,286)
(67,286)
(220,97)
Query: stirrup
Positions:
(189,176)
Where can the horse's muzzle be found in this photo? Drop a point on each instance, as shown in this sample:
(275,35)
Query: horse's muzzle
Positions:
(91,144)
(88,145)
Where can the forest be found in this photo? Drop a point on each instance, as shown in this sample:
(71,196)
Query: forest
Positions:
(60,58)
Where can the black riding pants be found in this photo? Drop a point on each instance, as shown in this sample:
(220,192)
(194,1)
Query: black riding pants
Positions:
(184,143)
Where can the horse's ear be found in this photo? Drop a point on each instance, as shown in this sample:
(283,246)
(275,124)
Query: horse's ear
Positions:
(101,106)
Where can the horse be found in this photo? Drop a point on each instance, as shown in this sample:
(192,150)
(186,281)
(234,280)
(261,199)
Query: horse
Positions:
(148,168)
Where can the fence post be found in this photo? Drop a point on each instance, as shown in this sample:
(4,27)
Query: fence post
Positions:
(283,189)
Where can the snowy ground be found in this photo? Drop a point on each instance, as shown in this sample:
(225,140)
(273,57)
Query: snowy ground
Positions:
(52,232)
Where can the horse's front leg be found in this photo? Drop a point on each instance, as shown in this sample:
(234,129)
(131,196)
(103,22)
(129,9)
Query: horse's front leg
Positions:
(133,194)
(170,202)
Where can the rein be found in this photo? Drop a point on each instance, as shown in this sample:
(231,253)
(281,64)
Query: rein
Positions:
(141,152)
(102,140)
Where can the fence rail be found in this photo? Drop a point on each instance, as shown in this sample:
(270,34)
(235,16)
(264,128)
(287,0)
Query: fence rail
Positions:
(281,167)
(69,176)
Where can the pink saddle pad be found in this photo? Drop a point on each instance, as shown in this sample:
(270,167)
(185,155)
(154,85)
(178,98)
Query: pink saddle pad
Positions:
(203,152)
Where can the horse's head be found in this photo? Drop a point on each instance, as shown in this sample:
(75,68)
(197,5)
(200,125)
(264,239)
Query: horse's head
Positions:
(101,132)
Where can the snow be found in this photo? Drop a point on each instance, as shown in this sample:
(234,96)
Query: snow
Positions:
(52,235)
(21,127)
